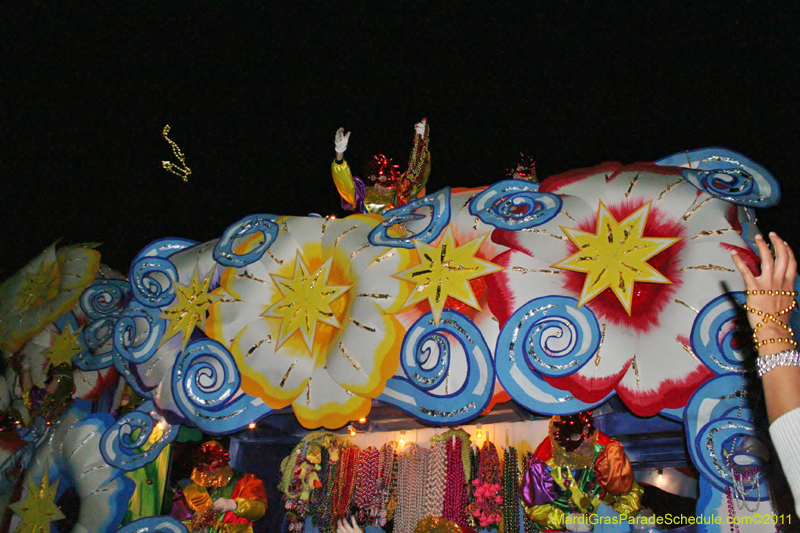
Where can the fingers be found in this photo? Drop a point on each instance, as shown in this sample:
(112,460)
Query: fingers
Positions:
(747,276)
(766,257)
(791,268)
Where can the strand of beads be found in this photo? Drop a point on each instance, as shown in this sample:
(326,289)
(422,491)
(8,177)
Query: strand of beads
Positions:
(385,468)
(419,462)
(528,524)
(437,469)
(455,497)
(731,511)
(510,491)
(367,495)
(344,482)
(402,521)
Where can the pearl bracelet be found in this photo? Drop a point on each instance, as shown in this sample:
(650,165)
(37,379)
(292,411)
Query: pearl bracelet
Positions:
(766,363)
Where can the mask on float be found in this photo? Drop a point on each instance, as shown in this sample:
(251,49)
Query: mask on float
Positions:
(570,431)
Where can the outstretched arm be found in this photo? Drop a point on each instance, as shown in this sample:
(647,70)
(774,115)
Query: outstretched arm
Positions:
(770,297)
(340,171)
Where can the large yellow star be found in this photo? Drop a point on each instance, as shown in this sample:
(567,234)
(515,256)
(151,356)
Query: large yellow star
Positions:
(64,347)
(190,308)
(615,256)
(445,269)
(305,301)
(38,508)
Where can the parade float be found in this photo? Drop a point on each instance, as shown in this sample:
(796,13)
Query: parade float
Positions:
(408,362)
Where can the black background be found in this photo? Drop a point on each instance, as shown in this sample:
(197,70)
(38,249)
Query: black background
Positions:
(254,92)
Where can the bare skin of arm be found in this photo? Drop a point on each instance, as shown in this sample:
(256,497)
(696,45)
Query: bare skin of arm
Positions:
(781,384)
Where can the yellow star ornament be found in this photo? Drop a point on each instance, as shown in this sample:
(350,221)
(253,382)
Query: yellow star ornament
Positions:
(306,300)
(64,347)
(615,256)
(446,269)
(190,308)
(38,508)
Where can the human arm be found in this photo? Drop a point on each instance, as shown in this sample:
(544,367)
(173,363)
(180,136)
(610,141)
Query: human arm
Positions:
(781,384)
(340,140)
(251,498)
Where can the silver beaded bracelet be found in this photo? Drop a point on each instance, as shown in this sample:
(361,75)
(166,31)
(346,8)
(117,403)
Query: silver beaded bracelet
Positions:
(768,362)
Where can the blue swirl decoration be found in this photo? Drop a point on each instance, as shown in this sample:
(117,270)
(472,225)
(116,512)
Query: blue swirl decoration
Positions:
(205,386)
(127,444)
(152,275)
(515,205)
(722,438)
(154,524)
(236,233)
(426,359)
(727,175)
(714,332)
(548,336)
(103,302)
(139,332)
(439,217)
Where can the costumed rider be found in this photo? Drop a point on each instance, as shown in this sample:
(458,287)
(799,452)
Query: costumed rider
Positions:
(525,169)
(384,186)
(574,470)
(222,499)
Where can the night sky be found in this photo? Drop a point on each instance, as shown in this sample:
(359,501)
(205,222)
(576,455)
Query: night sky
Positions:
(254,92)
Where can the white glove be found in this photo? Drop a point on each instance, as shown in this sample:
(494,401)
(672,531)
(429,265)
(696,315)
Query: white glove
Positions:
(340,140)
(344,527)
(224,505)
(419,127)
(578,522)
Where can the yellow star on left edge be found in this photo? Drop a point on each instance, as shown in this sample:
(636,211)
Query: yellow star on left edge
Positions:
(64,347)
(190,308)
(446,269)
(305,301)
(615,256)
(38,508)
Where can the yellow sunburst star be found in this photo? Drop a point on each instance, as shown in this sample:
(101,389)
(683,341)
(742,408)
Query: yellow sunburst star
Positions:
(190,308)
(446,269)
(305,301)
(38,508)
(65,346)
(615,256)
(42,285)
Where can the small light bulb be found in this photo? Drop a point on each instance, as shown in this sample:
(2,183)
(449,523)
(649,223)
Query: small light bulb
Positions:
(402,441)
(660,475)
(252,425)
(362,420)
(160,425)
(479,433)
(352,430)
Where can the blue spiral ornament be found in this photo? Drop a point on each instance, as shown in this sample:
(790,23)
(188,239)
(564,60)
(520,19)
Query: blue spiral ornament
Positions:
(548,336)
(426,360)
(205,386)
(127,444)
(152,275)
(714,332)
(722,437)
(439,206)
(727,175)
(154,524)
(138,333)
(514,205)
(105,298)
(236,233)
(103,302)
(553,334)
(153,279)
